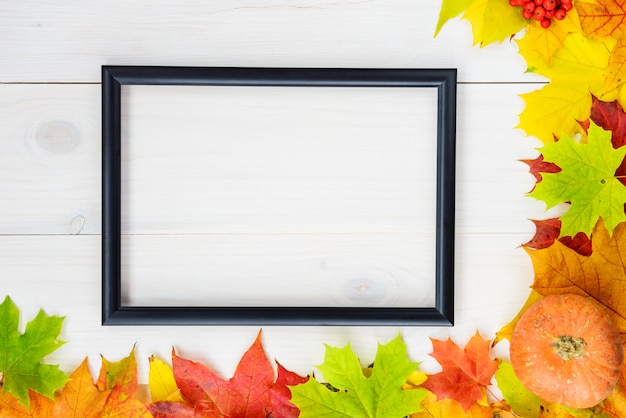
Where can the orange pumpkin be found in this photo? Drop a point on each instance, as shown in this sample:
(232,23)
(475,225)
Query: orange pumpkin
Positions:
(566,350)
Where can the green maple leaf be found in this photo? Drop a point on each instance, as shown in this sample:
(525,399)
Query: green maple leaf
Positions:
(587,181)
(379,395)
(21,354)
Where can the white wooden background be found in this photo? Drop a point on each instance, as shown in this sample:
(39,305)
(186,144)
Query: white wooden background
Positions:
(50,139)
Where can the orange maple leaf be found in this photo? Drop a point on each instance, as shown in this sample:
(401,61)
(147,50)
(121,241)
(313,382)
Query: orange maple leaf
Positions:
(602,275)
(40,406)
(466,373)
(80,397)
(603,18)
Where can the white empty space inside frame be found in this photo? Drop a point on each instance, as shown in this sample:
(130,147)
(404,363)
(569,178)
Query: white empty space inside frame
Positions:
(278,196)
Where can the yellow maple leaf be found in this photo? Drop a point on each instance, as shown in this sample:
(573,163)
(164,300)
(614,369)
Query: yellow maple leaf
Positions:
(576,70)
(540,43)
(601,276)
(493,21)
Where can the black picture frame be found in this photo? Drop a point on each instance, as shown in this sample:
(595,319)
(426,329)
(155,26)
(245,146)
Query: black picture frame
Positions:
(114,313)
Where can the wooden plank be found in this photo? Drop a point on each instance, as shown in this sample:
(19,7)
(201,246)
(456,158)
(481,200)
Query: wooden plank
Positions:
(68,40)
(374,270)
(61,274)
(50,163)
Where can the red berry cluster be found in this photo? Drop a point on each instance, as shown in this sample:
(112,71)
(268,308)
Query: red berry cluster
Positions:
(543,10)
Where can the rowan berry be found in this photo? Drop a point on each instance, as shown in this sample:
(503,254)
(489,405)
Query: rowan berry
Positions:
(560,14)
(545,23)
(526,14)
(549,4)
(530,6)
(539,13)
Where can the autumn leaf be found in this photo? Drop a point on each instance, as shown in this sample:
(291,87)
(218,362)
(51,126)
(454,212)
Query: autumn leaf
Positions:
(466,373)
(538,166)
(280,393)
(40,406)
(587,180)
(161,382)
(21,354)
(559,269)
(576,70)
(602,18)
(610,116)
(80,397)
(542,43)
(449,10)
(521,400)
(251,392)
(447,408)
(493,20)
(120,378)
(379,395)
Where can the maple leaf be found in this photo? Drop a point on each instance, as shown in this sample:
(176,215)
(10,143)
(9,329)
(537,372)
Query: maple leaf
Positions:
(548,230)
(559,269)
(611,117)
(466,373)
(280,394)
(21,354)
(493,20)
(576,70)
(120,378)
(251,392)
(603,18)
(538,166)
(541,44)
(80,397)
(587,180)
(40,406)
(449,10)
(355,395)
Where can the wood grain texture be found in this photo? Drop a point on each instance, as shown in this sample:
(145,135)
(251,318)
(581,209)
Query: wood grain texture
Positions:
(50,201)
(50,163)
(68,40)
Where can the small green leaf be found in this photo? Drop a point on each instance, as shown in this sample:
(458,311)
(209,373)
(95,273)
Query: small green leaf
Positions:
(449,10)
(377,396)
(523,402)
(587,180)
(21,354)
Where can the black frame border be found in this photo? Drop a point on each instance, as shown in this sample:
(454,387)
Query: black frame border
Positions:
(114,313)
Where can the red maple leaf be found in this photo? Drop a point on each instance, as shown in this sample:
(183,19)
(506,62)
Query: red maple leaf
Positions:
(610,116)
(251,392)
(538,166)
(547,231)
(466,373)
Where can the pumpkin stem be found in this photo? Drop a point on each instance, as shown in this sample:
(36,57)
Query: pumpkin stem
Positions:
(569,347)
